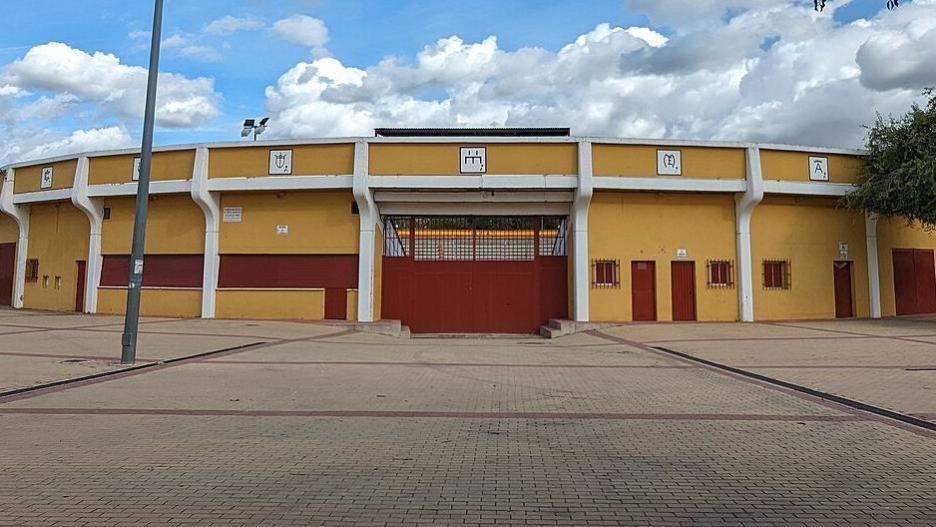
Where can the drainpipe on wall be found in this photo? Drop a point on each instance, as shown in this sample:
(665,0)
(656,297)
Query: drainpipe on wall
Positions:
(20,214)
(744,210)
(580,204)
(95,213)
(368,216)
(874,276)
(210,203)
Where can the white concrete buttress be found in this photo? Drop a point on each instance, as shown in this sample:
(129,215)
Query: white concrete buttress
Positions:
(744,210)
(95,212)
(580,264)
(874,275)
(210,203)
(20,214)
(369,216)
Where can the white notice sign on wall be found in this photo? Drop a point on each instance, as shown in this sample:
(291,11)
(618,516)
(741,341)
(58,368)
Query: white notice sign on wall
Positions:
(280,162)
(282,229)
(233,214)
(669,163)
(46,180)
(135,175)
(818,168)
(473,160)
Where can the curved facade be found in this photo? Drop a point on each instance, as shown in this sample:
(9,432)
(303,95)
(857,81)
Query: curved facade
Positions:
(463,233)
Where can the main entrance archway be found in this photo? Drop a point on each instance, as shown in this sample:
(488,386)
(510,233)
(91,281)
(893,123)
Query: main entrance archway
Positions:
(474,274)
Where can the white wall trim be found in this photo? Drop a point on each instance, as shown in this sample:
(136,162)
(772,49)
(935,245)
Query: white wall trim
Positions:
(62,194)
(475,209)
(281,183)
(581,265)
(176,186)
(368,215)
(807,189)
(874,272)
(519,182)
(210,203)
(20,214)
(669,183)
(744,211)
(95,213)
(473,197)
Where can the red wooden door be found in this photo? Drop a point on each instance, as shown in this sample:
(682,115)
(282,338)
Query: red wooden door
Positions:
(643,290)
(336,303)
(80,287)
(923,266)
(914,281)
(844,304)
(7,267)
(904,281)
(684,293)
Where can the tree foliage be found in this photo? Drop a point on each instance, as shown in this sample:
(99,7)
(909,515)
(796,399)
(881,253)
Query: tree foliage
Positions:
(899,178)
(891,4)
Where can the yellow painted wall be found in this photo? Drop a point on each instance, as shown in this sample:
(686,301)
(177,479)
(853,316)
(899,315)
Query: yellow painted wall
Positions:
(352,304)
(320,222)
(288,304)
(778,165)
(58,237)
(308,160)
(158,302)
(176,225)
(167,166)
(649,226)
(895,233)
(641,161)
(807,232)
(27,179)
(9,230)
(443,159)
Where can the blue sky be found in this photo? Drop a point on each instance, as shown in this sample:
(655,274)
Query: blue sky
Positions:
(243,64)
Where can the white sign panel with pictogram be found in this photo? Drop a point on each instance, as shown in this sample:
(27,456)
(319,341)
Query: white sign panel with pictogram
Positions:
(473,160)
(669,163)
(135,176)
(818,168)
(46,180)
(281,162)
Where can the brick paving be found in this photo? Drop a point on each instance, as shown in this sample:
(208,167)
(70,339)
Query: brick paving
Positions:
(888,363)
(320,427)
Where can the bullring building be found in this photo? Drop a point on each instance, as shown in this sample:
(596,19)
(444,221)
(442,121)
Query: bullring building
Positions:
(467,230)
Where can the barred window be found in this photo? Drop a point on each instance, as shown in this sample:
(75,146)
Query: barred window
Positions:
(776,274)
(606,273)
(32,270)
(720,273)
(397,236)
(552,236)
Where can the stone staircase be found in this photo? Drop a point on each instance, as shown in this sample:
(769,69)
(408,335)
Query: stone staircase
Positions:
(559,328)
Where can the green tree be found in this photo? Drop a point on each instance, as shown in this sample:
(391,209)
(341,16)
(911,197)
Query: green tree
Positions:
(899,179)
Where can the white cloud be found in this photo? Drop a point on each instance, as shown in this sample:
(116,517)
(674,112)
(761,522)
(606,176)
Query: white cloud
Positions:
(712,79)
(302,30)
(118,89)
(230,24)
(26,144)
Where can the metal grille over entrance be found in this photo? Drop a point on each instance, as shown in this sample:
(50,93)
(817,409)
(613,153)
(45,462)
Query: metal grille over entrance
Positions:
(475,273)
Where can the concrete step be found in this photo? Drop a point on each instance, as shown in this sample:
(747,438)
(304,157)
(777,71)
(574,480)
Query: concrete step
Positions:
(550,332)
(566,326)
(405,332)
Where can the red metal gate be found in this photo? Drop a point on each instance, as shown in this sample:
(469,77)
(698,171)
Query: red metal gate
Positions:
(495,274)
(683,291)
(842,277)
(643,291)
(7,265)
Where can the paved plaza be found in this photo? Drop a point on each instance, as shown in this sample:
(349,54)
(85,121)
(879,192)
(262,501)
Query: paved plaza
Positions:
(311,424)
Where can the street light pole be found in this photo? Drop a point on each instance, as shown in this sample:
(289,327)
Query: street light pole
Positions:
(132,318)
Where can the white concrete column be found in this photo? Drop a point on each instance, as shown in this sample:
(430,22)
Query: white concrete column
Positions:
(369,216)
(94,210)
(20,214)
(581,267)
(210,203)
(744,211)
(874,274)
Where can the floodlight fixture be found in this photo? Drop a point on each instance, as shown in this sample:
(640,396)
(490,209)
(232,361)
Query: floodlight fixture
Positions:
(252,127)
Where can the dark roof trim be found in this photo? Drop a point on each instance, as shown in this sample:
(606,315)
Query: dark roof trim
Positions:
(471,132)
